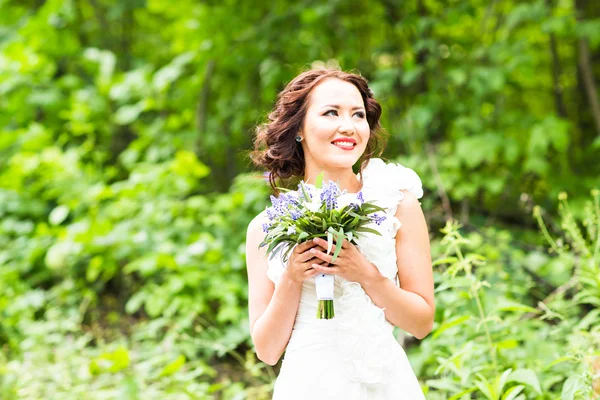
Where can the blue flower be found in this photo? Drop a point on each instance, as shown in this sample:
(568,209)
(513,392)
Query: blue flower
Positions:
(285,204)
(271,213)
(378,219)
(295,213)
(329,195)
(307,188)
(360,198)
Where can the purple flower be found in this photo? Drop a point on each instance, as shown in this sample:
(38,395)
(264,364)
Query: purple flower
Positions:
(271,213)
(278,208)
(285,204)
(329,195)
(295,213)
(378,219)
(360,198)
(265,227)
(308,191)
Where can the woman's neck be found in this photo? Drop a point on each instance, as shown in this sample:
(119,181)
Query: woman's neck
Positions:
(346,179)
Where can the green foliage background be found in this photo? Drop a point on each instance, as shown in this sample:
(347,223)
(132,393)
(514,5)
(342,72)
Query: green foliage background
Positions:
(126,190)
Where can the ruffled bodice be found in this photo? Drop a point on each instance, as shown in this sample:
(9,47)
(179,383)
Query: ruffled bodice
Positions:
(360,332)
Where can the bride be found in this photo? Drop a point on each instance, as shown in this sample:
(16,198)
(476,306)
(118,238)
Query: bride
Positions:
(326,120)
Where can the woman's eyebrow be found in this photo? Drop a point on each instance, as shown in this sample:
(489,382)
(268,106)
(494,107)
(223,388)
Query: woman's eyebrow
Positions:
(336,106)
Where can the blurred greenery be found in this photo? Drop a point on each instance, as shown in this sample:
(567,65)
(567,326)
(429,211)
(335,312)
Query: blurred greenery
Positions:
(126,189)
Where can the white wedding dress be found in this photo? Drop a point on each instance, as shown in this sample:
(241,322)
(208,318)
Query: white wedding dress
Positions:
(355,355)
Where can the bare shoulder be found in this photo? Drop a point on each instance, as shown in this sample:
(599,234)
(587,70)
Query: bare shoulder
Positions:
(255,227)
(409,204)
(254,236)
(410,200)
(414,225)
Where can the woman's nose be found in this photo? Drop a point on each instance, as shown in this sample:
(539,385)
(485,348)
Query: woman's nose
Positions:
(346,125)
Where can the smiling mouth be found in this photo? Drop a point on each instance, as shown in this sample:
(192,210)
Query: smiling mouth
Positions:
(344,145)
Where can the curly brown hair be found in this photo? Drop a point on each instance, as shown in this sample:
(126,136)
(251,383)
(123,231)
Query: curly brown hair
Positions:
(275,147)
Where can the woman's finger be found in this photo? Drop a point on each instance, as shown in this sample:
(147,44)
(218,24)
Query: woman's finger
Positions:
(308,265)
(308,255)
(302,247)
(321,255)
(324,269)
(323,243)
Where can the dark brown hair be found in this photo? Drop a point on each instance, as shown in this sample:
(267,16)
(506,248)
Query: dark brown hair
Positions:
(275,147)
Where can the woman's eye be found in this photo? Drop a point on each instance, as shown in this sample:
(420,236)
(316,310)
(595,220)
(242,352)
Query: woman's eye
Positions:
(360,114)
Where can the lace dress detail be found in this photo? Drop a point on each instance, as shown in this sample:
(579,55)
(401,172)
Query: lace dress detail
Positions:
(356,351)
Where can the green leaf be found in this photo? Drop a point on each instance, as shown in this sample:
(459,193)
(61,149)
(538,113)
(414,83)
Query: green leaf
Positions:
(514,306)
(485,387)
(128,113)
(446,260)
(527,377)
(304,192)
(459,396)
(363,229)
(302,235)
(339,241)
(570,388)
(560,360)
(58,215)
(449,324)
(512,393)
(319,180)
(173,367)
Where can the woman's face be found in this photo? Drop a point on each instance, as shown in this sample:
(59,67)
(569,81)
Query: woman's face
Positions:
(335,129)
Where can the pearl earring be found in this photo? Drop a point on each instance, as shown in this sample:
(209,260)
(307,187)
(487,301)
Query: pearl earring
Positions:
(298,139)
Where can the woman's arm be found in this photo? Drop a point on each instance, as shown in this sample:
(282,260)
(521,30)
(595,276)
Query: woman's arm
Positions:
(411,306)
(272,309)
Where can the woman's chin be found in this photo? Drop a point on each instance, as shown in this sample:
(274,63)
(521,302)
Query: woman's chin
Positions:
(341,160)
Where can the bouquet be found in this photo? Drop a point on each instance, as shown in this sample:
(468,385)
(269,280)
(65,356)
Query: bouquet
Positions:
(298,216)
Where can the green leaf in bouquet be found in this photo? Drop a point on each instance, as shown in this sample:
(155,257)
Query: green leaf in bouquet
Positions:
(303,224)
(339,240)
(363,229)
(302,235)
(349,236)
(304,192)
(319,181)
(287,253)
(371,208)
(329,240)
(270,249)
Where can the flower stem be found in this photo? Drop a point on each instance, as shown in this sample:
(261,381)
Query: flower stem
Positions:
(325,309)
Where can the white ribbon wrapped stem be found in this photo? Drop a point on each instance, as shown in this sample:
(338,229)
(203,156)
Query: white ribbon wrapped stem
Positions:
(324,286)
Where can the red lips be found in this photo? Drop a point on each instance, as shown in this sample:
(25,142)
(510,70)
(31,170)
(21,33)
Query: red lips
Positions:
(345,140)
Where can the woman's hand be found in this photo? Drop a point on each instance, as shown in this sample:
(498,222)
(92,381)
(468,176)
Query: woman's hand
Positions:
(301,263)
(350,264)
